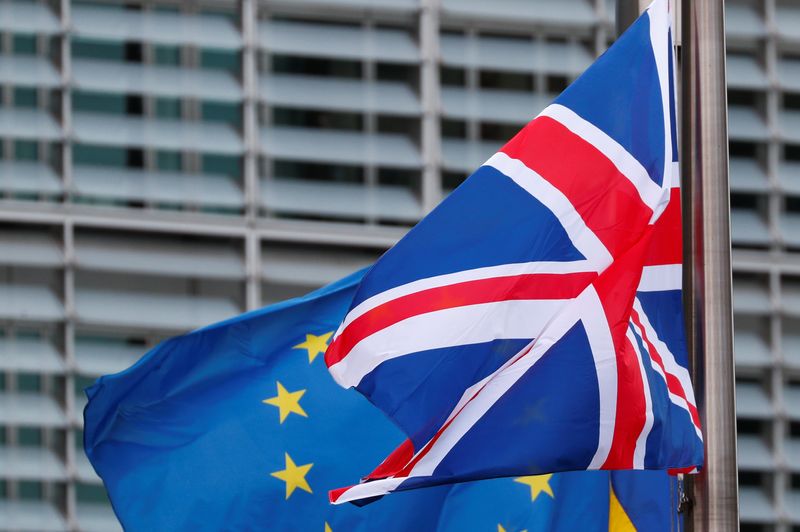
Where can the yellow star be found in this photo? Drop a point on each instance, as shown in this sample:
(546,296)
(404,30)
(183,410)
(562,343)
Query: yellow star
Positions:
(314,345)
(538,484)
(294,476)
(328,527)
(287,402)
(501,529)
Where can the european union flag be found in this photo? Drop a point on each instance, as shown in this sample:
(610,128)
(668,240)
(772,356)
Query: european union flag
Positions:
(238,426)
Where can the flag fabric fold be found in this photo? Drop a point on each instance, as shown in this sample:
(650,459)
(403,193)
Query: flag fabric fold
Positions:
(532,322)
(238,426)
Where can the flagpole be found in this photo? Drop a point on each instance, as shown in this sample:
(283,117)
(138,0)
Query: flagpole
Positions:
(707,253)
(627,13)
(707,259)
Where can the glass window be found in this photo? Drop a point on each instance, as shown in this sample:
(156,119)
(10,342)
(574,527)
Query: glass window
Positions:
(91,49)
(744,201)
(90,493)
(166,9)
(166,55)
(134,158)
(282,64)
(230,113)
(750,478)
(82,382)
(133,51)
(454,129)
(220,59)
(741,97)
(25,97)
(320,172)
(398,177)
(222,164)
(506,81)
(24,44)
(453,77)
(317,119)
(28,334)
(793,204)
(750,427)
(743,149)
(28,382)
(98,155)
(791,152)
(451,180)
(556,84)
(791,101)
(168,108)
(393,72)
(29,490)
(29,436)
(26,150)
(96,102)
(134,105)
(169,161)
(498,132)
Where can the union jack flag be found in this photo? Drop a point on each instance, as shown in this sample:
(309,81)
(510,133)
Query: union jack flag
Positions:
(532,323)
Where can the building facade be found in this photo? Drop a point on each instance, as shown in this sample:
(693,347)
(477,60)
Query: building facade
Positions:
(168,164)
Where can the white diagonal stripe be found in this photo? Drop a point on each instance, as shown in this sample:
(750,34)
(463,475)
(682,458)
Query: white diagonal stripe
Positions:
(650,193)
(660,43)
(581,236)
(450,327)
(641,441)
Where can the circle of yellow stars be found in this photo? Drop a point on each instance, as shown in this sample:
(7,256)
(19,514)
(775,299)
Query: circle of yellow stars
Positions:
(294,476)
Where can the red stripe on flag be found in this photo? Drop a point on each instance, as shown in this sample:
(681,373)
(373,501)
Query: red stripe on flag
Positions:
(667,247)
(673,383)
(631,409)
(606,200)
(517,287)
(616,289)
(394,462)
(334,494)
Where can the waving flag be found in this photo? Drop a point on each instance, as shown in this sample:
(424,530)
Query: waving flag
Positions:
(532,322)
(238,426)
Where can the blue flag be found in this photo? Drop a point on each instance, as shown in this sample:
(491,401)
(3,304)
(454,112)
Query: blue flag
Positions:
(238,426)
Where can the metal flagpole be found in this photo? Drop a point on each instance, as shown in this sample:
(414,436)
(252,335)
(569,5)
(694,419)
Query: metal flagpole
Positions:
(707,258)
(707,253)
(627,13)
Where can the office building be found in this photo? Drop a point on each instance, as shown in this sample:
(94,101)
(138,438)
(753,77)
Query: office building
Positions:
(167,164)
